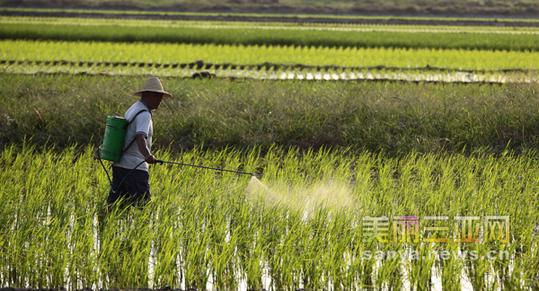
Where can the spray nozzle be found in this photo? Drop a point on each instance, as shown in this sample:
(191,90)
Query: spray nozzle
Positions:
(257,175)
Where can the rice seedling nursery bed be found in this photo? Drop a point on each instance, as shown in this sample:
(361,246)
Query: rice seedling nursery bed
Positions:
(277,50)
(255,54)
(327,35)
(362,184)
(271,62)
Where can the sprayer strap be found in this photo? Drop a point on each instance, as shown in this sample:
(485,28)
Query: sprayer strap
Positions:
(133,140)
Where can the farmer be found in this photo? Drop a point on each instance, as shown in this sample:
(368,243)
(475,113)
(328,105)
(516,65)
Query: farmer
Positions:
(130,175)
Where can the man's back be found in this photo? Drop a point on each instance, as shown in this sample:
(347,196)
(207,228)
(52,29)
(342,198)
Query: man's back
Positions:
(142,124)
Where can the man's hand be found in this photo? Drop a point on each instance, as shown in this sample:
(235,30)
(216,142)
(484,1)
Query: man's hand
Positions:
(150,159)
(141,143)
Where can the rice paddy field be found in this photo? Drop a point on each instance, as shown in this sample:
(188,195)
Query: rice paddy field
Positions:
(203,229)
(383,156)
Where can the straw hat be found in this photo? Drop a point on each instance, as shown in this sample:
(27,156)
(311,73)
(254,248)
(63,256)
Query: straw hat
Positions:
(153,84)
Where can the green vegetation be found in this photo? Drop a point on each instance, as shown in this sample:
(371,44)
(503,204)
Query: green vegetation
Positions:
(390,117)
(239,54)
(271,34)
(201,226)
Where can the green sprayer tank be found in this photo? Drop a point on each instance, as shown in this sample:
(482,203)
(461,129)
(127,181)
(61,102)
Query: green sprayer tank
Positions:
(113,141)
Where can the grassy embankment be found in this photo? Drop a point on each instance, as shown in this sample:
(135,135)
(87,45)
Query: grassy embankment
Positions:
(390,117)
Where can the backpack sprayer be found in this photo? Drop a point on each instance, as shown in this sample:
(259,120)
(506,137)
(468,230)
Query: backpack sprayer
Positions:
(112,148)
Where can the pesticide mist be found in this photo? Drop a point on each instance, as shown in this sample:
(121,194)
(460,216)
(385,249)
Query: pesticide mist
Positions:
(304,198)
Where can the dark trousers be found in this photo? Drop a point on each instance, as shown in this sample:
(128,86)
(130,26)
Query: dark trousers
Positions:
(130,185)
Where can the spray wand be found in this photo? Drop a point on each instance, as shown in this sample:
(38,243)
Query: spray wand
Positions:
(206,167)
(161,162)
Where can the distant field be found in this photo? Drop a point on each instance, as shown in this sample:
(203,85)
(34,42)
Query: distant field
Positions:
(269,50)
(407,7)
(326,35)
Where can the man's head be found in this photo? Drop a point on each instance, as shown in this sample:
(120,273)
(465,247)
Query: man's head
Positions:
(151,99)
(152,93)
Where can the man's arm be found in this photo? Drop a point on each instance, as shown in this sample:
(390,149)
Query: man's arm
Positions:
(141,143)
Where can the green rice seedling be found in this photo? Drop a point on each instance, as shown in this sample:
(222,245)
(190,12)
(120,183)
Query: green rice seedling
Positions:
(389,273)
(451,266)
(420,267)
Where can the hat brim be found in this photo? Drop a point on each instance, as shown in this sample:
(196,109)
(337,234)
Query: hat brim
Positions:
(165,93)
